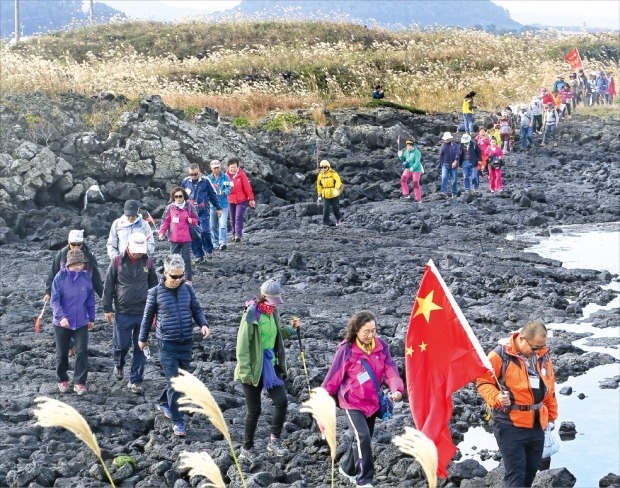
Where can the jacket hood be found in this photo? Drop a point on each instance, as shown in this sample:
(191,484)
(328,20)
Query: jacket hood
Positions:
(123,222)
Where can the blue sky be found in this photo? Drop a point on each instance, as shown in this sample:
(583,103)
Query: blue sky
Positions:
(594,13)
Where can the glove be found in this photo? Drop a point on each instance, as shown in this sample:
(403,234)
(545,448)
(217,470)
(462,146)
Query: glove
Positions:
(319,201)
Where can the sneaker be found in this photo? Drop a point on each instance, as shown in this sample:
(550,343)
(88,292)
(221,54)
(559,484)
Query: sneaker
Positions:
(555,144)
(352,479)
(197,261)
(405,197)
(237,239)
(118,373)
(64,387)
(223,247)
(165,409)
(80,389)
(249,455)
(492,191)
(134,387)
(338,223)
(275,446)
(179,429)
(208,258)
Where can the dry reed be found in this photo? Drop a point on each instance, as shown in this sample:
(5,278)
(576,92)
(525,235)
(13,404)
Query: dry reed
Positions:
(201,464)
(414,443)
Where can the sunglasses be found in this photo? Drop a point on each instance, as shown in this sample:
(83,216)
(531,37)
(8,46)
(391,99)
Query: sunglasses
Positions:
(79,244)
(179,196)
(176,277)
(193,174)
(324,167)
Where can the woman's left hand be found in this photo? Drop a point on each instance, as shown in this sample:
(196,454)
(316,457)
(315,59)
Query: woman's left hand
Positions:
(397,396)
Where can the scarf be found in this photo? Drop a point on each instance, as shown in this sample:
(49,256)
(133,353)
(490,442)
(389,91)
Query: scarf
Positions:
(180,206)
(366,348)
(269,376)
(266,308)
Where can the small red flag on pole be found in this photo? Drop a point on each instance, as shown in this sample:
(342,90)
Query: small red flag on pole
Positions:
(152,221)
(442,355)
(574,59)
(37,321)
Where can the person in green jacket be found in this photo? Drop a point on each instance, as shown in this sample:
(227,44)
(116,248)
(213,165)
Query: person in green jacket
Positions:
(261,364)
(412,165)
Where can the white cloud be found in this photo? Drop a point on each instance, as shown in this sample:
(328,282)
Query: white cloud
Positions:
(603,14)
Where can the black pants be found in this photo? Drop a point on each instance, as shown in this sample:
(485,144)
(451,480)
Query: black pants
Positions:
(357,459)
(253,409)
(537,123)
(334,205)
(63,339)
(184,248)
(521,450)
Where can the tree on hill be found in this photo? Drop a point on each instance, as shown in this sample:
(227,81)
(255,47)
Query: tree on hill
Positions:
(40,16)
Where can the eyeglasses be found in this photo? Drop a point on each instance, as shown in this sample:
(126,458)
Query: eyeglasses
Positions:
(179,196)
(176,277)
(324,167)
(75,244)
(194,174)
(534,348)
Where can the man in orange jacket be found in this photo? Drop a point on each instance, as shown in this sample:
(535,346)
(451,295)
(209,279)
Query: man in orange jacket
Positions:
(525,404)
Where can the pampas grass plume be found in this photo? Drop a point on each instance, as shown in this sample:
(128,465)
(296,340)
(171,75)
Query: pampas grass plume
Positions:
(422,449)
(196,393)
(201,464)
(323,408)
(54,413)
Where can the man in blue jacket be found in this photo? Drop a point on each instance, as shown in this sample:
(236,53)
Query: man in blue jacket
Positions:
(219,221)
(176,307)
(449,156)
(200,193)
(129,278)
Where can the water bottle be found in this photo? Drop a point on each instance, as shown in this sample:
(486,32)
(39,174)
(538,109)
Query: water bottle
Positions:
(147,352)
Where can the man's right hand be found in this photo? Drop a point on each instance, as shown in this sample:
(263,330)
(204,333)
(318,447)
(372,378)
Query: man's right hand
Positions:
(503,399)
(109,317)
(142,345)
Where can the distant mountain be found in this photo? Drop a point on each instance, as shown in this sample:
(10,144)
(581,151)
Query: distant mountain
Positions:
(40,16)
(388,13)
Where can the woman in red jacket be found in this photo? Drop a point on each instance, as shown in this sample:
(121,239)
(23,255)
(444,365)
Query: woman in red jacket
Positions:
(495,163)
(239,198)
(179,217)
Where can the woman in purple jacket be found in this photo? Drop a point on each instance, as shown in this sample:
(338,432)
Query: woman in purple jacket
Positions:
(357,394)
(73,307)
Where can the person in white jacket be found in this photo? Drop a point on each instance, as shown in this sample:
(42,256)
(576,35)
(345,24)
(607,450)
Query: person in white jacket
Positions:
(126,225)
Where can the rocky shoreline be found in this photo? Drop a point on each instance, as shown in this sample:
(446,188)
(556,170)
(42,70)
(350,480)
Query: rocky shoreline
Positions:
(374,260)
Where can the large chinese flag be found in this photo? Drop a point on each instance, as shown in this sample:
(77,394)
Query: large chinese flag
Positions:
(442,355)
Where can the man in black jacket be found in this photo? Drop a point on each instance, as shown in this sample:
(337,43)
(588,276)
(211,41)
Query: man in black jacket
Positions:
(129,278)
(470,158)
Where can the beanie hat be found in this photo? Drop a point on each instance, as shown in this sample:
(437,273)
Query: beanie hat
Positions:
(76,236)
(75,256)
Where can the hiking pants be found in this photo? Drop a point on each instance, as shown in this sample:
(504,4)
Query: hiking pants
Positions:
(202,243)
(415,179)
(253,409)
(495,179)
(237,210)
(550,128)
(63,338)
(468,122)
(219,227)
(183,248)
(526,137)
(521,450)
(172,357)
(357,459)
(334,205)
(537,123)
(125,335)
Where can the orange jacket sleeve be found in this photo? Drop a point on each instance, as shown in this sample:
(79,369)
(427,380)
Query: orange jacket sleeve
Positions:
(487,384)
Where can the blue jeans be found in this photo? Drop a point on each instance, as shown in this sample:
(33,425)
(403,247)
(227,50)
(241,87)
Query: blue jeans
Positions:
(172,357)
(526,136)
(204,243)
(550,128)
(469,170)
(468,120)
(124,335)
(219,226)
(446,173)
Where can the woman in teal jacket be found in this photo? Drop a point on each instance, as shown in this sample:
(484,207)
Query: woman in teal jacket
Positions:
(261,365)
(411,158)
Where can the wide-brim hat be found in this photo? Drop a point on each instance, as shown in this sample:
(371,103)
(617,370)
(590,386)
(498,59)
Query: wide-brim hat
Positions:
(446,136)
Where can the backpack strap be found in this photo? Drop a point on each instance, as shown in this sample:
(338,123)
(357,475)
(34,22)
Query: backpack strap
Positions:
(117,262)
(372,377)
(506,359)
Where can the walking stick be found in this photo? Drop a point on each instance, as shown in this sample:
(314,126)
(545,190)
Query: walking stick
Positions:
(303,357)
(37,321)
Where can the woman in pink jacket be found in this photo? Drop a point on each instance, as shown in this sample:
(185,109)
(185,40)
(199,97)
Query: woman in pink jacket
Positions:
(357,394)
(495,163)
(179,217)
(239,197)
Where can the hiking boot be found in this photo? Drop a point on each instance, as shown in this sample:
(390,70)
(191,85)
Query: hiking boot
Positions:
(237,239)
(208,258)
(165,409)
(223,247)
(63,386)
(80,389)
(179,429)
(250,454)
(351,478)
(134,387)
(275,446)
(118,373)
(197,261)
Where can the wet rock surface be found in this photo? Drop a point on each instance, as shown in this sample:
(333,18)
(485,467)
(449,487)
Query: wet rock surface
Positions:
(374,260)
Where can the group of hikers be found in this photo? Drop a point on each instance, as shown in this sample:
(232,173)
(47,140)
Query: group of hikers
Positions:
(136,300)
(481,150)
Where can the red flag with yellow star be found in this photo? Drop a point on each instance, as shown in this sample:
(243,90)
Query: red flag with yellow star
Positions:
(442,355)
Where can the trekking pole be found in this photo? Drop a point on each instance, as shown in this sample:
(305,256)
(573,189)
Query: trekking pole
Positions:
(37,321)
(303,356)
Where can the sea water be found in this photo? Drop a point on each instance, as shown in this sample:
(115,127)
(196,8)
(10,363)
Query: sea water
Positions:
(595,451)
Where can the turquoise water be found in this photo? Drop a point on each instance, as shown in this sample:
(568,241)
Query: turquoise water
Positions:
(595,451)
